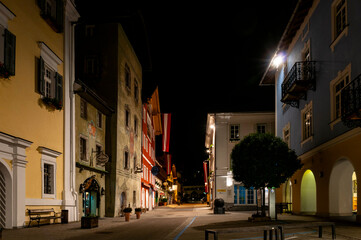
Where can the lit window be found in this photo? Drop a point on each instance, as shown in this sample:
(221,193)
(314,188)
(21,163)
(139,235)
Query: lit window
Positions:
(307,122)
(286,134)
(234,132)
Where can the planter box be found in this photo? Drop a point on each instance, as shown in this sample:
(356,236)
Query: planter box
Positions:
(89,222)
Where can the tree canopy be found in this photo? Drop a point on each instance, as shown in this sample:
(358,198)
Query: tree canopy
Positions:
(263,160)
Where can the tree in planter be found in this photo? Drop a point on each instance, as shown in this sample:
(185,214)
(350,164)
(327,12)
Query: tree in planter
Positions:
(263,160)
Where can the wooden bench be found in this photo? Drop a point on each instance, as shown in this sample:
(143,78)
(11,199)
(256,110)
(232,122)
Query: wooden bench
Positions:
(42,214)
(320,226)
(267,231)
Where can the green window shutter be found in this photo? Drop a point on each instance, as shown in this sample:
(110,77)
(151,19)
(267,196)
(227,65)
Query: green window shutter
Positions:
(59,87)
(41,74)
(9,52)
(60,15)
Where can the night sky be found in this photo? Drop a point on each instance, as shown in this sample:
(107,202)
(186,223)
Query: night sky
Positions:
(204,58)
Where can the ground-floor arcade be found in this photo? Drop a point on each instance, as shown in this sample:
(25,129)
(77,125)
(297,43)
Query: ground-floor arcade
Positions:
(327,183)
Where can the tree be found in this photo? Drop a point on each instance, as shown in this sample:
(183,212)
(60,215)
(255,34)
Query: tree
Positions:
(263,160)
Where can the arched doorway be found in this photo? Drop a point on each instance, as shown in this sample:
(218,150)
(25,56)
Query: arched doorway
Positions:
(91,197)
(6,193)
(342,189)
(287,195)
(123,201)
(308,193)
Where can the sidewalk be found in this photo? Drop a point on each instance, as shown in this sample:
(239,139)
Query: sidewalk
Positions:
(191,221)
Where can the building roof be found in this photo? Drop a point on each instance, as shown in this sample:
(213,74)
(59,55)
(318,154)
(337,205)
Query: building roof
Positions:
(301,10)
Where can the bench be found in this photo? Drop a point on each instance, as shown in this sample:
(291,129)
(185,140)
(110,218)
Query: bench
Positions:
(320,226)
(283,207)
(42,214)
(268,229)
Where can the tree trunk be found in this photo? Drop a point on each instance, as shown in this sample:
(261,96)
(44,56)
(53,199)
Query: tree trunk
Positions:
(263,202)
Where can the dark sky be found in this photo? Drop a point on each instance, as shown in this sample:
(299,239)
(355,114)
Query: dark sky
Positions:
(204,58)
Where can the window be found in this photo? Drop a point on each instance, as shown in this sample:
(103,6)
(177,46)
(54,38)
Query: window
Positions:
(83,149)
(99,119)
(261,128)
(307,128)
(7,49)
(135,126)
(339,21)
(83,109)
(286,134)
(53,13)
(48,179)
(136,91)
(243,195)
(135,163)
(89,30)
(48,169)
(234,132)
(127,117)
(91,66)
(126,159)
(50,82)
(127,77)
(340,17)
(336,86)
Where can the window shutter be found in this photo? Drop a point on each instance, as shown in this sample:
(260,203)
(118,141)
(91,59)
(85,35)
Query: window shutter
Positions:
(41,72)
(9,54)
(58,87)
(60,15)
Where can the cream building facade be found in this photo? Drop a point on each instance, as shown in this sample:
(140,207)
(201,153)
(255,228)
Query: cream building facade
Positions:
(37,66)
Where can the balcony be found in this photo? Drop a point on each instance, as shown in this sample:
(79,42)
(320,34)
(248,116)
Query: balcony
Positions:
(351,103)
(300,78)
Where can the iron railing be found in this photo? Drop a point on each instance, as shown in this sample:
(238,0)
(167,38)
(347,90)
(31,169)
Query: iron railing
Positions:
(351,103)
(301,74)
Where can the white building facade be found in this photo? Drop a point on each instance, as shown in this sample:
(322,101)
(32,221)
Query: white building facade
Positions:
(223,132)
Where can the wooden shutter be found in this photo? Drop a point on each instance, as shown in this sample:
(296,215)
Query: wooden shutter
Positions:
(60,15)
(59,87)
(41,74)
(9,52)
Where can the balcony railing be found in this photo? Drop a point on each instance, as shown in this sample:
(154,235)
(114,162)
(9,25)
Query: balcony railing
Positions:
(300,79)
(351,103)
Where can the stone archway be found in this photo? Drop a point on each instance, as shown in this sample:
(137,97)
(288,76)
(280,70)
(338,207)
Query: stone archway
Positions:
(340,188)
(308,193)
(6,199)
(287,194)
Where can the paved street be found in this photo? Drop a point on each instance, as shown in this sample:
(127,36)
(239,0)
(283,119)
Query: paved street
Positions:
(174,222)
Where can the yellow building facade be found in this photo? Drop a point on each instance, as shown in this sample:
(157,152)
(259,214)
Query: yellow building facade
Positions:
(32,103)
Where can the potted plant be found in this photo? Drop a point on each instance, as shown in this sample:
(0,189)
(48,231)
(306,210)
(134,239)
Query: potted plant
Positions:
(90,221)
(138,211)
(127,212)
(164,201)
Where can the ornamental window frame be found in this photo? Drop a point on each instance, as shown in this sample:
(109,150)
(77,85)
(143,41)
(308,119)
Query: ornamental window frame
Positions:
(48,159)
(339,15)
(307,123)
(342,79)
(234,130)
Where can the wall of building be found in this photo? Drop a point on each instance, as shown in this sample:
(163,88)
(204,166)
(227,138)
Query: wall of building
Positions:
(23,114)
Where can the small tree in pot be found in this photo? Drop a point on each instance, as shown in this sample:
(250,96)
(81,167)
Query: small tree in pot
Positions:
(138,211)
(127,212)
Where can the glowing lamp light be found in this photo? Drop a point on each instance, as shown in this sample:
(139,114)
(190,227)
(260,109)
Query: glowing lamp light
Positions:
(278,60)
(212,126)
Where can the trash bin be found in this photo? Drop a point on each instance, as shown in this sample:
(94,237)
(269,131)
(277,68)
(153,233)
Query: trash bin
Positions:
(64,216)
